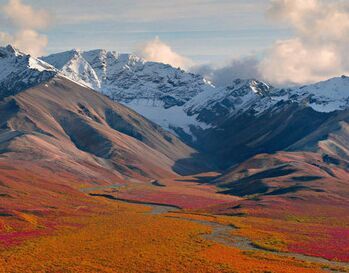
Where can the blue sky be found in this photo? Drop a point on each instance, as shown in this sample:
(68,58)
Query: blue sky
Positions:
(202,30)
(284,42)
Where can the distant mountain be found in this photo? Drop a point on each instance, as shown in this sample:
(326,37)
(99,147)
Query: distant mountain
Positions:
(185,103)
(256,96)
(52,115)
(270,120)
(155,90)
(126,77)
(229,124)
(216,105)
(49,118)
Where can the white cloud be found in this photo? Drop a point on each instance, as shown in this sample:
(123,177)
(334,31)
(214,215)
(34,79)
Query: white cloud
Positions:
(27,22)
(24,16)
(31,41)
(158,51)
(244,68)
(319,49)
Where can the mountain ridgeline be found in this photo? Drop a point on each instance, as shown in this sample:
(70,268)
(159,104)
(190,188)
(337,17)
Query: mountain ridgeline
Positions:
(56,121)
(229,124)
(134,118)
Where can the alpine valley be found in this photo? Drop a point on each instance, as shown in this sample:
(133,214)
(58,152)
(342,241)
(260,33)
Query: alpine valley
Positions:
(111,163)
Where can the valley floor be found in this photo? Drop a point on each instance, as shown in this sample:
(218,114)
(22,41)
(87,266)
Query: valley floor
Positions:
(173,225)
(126,237)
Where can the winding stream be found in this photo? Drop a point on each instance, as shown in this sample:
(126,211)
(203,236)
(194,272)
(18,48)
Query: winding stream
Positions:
(222,234)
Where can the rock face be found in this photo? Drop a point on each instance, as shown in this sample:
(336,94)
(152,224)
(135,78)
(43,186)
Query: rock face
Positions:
(47,117)
(185,103)
(262,119)
(155,90)
(230,123)
(19,71)
(52,115)
(126,77)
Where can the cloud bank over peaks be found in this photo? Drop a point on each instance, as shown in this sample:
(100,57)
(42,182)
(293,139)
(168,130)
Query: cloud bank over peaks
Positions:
(158,51)
(223,75)
(318,50)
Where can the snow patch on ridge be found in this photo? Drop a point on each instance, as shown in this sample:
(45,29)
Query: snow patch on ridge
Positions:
(19,71)
(126,77)
(326,96)
(167,118)
(75,67)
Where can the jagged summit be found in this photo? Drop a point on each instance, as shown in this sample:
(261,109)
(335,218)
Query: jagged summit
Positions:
(238,96)
(73,65)
(127,77)
(19,71)
(14,57)
(129,58)
(183,102)
(326,96)
(62,58)
(9,49)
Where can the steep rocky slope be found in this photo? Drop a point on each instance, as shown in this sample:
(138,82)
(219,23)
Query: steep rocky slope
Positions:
(155,90)
(19,71)
(47,117)
(61,120)
(187,104)
(126,77)
(311,118)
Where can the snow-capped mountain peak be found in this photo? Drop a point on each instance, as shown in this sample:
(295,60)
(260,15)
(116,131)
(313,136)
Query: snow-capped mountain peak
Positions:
(130,59)
(9,49)
(223,101)
(73,65)
(19,71)
(128,78)
(11,55)
(157,91)
(326,96)
(183,102)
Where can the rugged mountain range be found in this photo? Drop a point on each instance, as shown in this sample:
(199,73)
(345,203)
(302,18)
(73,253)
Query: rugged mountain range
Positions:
(184,102)
(51,113)
(310,118)
(248,117)
(234,126)
(53,120)
(126,77)
(155,90)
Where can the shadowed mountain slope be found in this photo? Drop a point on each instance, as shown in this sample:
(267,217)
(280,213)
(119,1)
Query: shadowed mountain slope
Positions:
(61,121)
